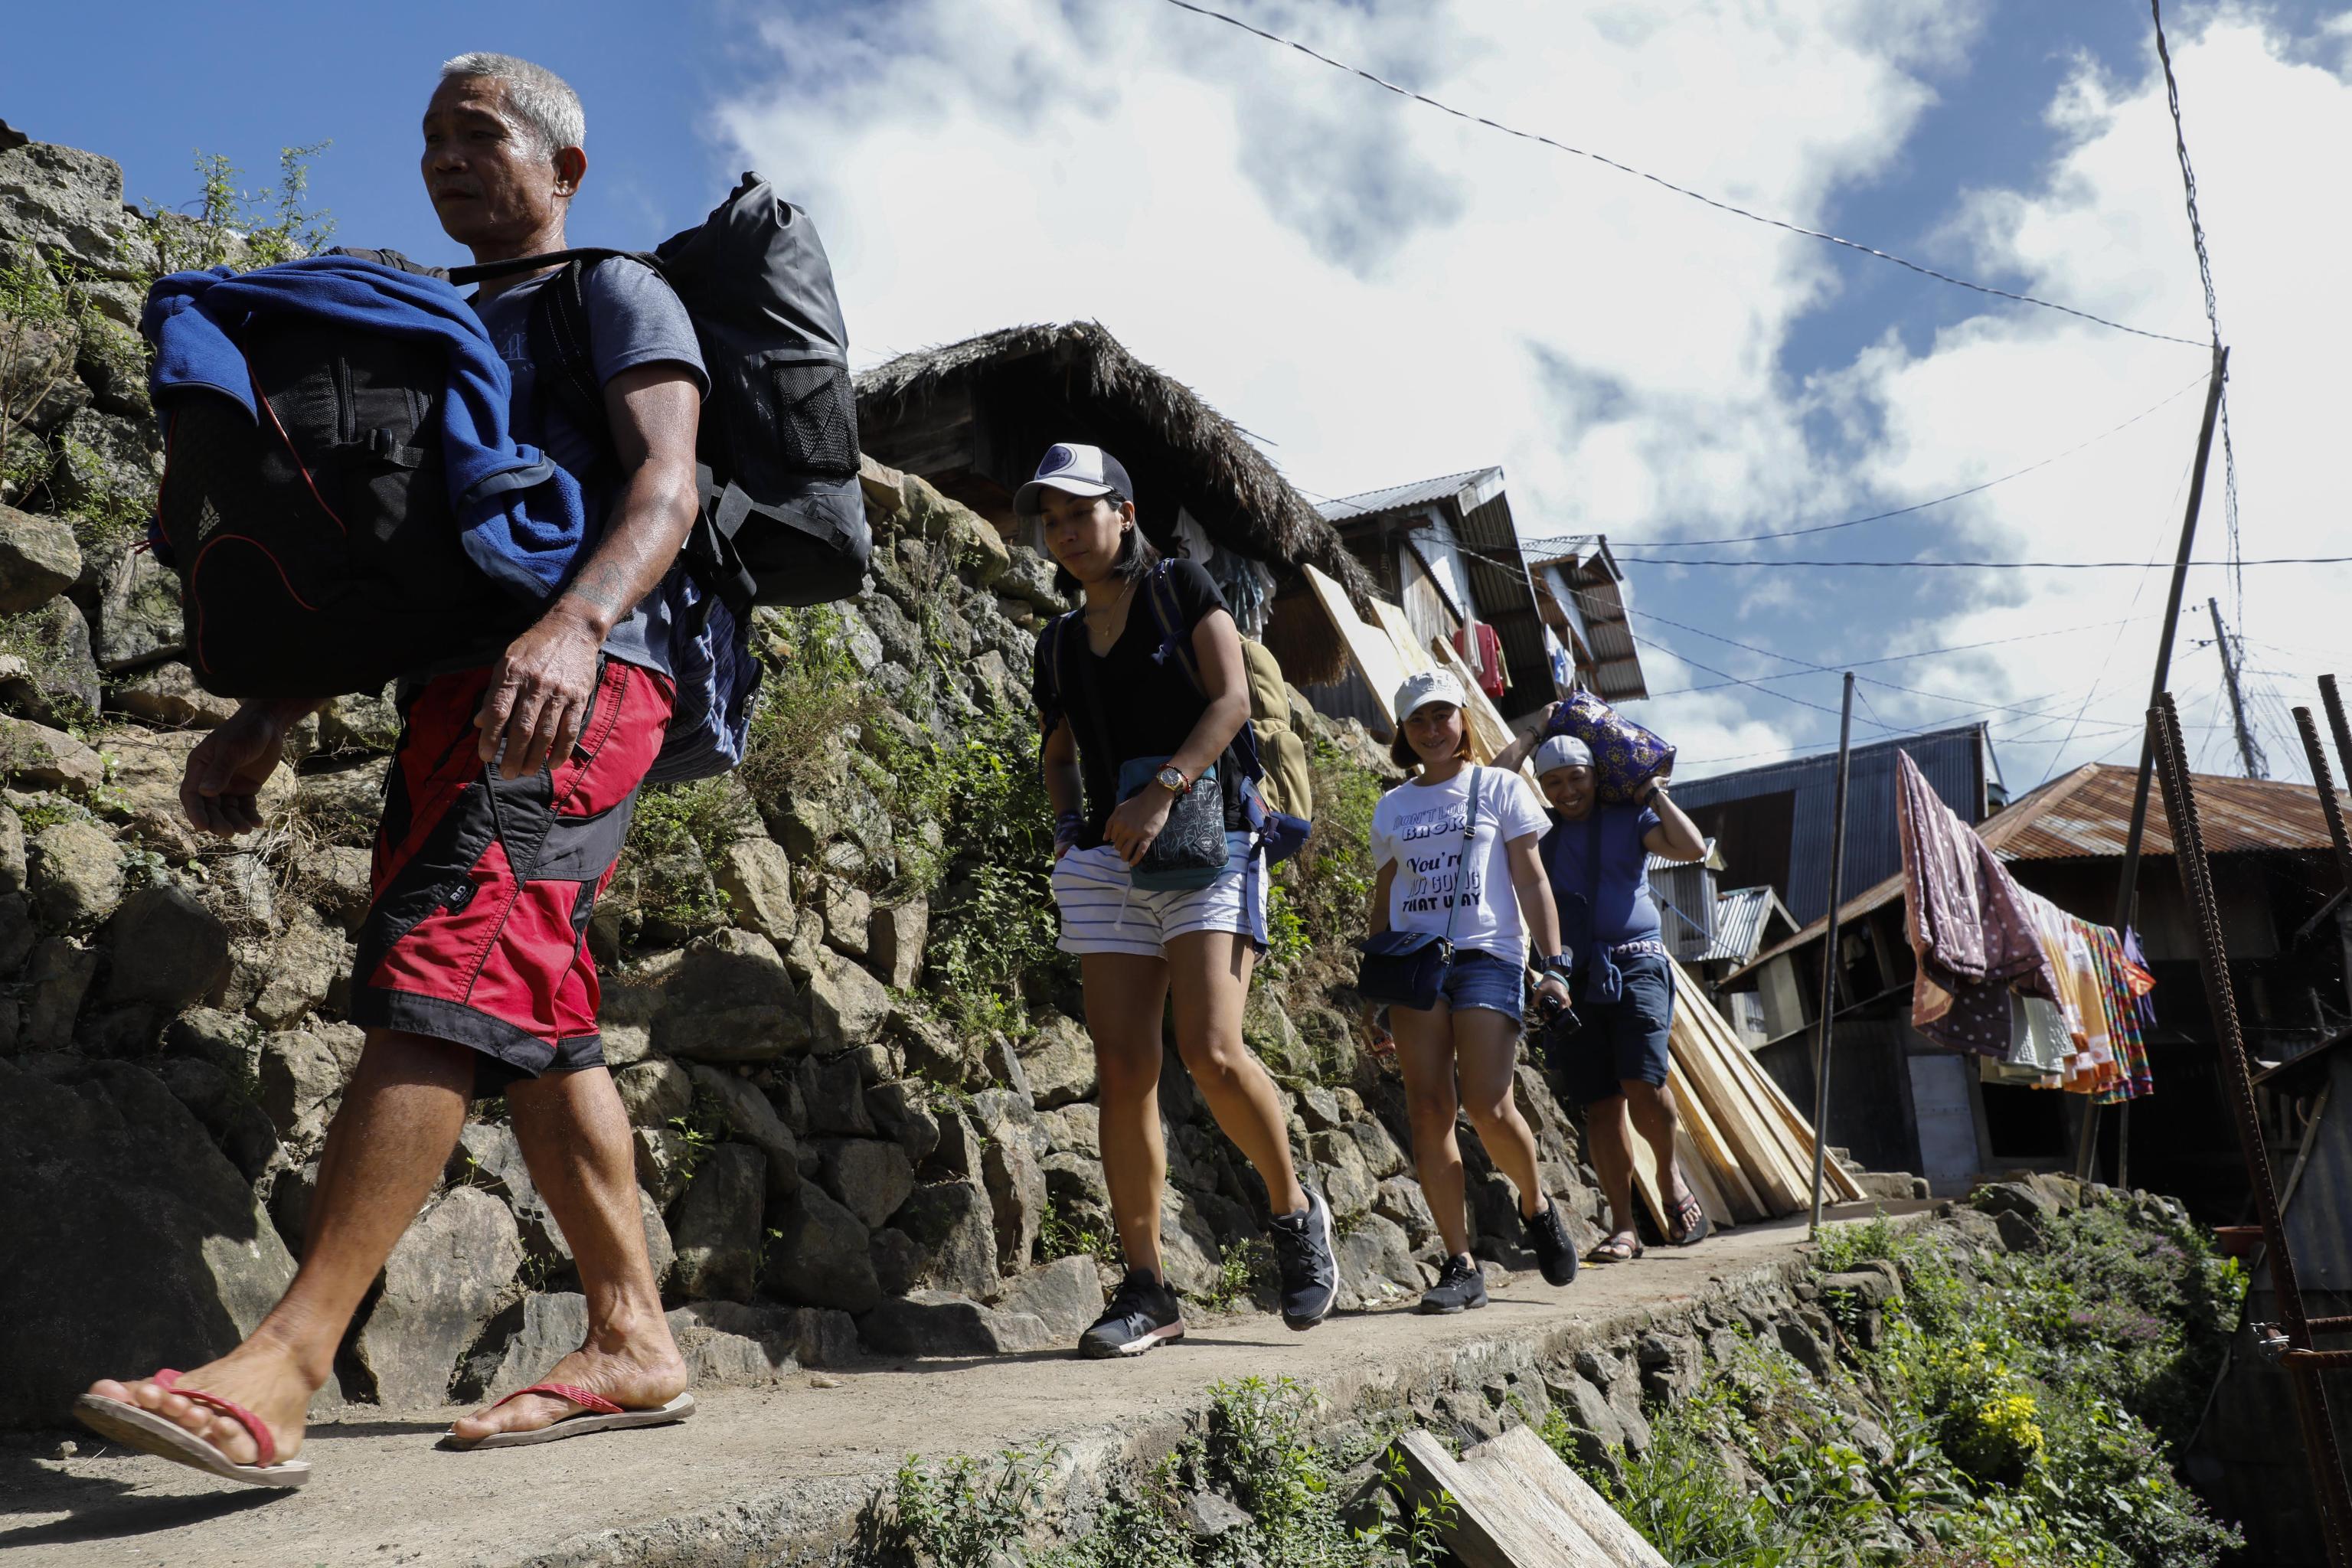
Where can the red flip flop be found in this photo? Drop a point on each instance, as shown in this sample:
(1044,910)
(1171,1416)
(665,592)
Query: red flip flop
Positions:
(597,1414)
(135,1427)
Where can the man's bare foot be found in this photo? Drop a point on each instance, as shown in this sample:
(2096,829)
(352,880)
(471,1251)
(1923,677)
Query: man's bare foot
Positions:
(643,1374)
(262,1377)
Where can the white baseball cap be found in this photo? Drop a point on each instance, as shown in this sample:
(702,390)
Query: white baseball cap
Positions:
(1563,752)
(1072,469)
(1430,685)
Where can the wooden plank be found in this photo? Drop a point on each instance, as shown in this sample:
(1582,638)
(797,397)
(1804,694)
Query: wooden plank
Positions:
(1758,1155)
(1789,1131)
(1370,648)
(1835,1180)
(1744,1078)
(1531,1459)
(1738,1192)
(1494,1521)
(1490,733)
(1410,652)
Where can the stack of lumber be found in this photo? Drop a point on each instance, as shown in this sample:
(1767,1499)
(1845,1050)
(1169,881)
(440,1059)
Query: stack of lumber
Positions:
(1509,1502)
(1744,1149)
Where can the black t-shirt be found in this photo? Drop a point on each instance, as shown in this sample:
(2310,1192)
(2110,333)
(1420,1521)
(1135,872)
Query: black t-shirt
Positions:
(1128,702)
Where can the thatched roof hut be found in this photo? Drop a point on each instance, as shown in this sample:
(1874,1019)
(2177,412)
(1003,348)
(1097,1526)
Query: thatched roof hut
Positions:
(973,417)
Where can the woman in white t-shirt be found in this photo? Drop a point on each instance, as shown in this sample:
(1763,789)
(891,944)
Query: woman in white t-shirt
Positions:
(1428,875)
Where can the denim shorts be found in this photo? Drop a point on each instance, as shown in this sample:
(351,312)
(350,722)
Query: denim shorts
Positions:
(1630,1039)
(1481,979)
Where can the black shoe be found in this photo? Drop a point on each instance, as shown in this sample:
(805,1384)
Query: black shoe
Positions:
(1460,1287)
(1142,1313)
(1302,1251)
(1554,1252)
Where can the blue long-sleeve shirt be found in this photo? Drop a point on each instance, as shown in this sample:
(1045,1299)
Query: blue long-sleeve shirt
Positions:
(520,514)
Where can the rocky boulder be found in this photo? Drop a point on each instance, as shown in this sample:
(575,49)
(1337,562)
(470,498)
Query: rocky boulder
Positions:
(716,1232)
(76,873)
(731,1000)
(452,1271)
(38,560)
(133,1242)
(1059,1063)
(821,1256)
(168,949)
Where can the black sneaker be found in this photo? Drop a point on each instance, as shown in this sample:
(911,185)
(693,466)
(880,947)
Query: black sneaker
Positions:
(1302,1252)
(1142,1313)
(1460,1287)
(1547,1234)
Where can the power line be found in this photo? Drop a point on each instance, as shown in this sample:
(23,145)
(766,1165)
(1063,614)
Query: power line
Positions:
(1987,565)
(1898,511)
(1923,653)
(1811,668)
(2212,309)
(1679,190)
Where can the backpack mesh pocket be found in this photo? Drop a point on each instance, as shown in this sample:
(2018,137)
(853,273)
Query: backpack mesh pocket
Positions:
(815,410)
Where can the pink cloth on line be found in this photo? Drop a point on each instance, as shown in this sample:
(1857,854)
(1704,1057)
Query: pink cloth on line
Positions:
(1968,922)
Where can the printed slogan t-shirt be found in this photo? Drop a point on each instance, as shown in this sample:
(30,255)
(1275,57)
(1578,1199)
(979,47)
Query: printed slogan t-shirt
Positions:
(1420,825)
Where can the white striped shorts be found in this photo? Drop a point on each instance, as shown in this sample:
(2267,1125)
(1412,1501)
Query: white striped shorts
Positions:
(1104,911)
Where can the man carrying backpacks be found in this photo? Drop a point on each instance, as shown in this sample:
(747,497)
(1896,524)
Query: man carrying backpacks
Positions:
(509,796)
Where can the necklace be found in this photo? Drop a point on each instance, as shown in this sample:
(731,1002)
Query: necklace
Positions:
(1097,616)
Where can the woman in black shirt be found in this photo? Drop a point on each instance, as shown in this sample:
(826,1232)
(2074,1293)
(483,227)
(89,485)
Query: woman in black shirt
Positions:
(1115,695)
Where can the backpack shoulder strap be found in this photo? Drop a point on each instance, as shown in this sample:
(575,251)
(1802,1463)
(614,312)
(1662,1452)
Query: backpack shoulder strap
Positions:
(1161,594)
(560,347)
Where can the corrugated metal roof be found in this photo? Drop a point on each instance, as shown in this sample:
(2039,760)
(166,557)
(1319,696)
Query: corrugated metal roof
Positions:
(1476,506)
(2085,815)
(1956,762)
(1742,919)
(1590,594)
(1419,493)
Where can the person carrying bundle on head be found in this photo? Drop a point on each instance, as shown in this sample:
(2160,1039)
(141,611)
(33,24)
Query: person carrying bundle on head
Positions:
(1596,857)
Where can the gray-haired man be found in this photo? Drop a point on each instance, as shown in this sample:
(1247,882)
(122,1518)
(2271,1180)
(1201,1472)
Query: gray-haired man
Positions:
(492,993)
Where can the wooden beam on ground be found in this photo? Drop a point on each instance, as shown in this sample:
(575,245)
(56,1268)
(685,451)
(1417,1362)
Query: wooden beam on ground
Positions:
(1488,1517)
(1531,1461)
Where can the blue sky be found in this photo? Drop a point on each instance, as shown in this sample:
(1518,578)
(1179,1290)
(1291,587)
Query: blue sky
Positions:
(1264,228)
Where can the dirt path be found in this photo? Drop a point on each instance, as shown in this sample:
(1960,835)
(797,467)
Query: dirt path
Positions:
(759,1473)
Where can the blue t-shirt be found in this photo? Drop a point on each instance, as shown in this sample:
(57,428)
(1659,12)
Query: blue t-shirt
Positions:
(1622,908)
(633,318)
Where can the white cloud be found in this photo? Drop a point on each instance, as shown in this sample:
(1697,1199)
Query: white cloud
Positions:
(2108,231)
(1385,293)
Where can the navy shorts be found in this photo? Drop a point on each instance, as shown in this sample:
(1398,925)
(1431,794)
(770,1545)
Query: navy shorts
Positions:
(1481,979)
(1627,1038)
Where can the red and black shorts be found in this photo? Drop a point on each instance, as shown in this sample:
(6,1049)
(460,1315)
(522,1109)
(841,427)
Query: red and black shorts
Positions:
(484,885)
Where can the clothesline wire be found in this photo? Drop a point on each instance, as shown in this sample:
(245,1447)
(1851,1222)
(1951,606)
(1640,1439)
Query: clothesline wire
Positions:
(1718,205)
(1561,539)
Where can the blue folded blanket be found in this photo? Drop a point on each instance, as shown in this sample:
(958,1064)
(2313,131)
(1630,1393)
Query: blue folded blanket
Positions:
(520,514)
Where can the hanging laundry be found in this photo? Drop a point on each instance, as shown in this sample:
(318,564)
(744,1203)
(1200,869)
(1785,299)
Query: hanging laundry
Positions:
(1969,925)
(1480,648)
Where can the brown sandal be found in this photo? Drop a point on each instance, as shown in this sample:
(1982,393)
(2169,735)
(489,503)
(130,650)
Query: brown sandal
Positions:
(1692,1225)
(1621,1247)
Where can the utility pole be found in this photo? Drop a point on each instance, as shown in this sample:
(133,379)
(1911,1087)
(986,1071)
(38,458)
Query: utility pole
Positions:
(2250,751)
(1829,954)
(2086,1152)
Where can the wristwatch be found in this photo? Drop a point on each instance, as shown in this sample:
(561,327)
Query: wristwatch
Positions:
(1172,779)
(1556,967)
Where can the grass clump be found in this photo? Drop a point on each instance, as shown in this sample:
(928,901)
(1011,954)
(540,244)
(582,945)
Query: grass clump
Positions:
(2023,1410)
(1256,1451)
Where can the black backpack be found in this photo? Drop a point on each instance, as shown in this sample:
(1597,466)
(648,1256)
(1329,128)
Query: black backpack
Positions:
(341,568)
(784,519)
